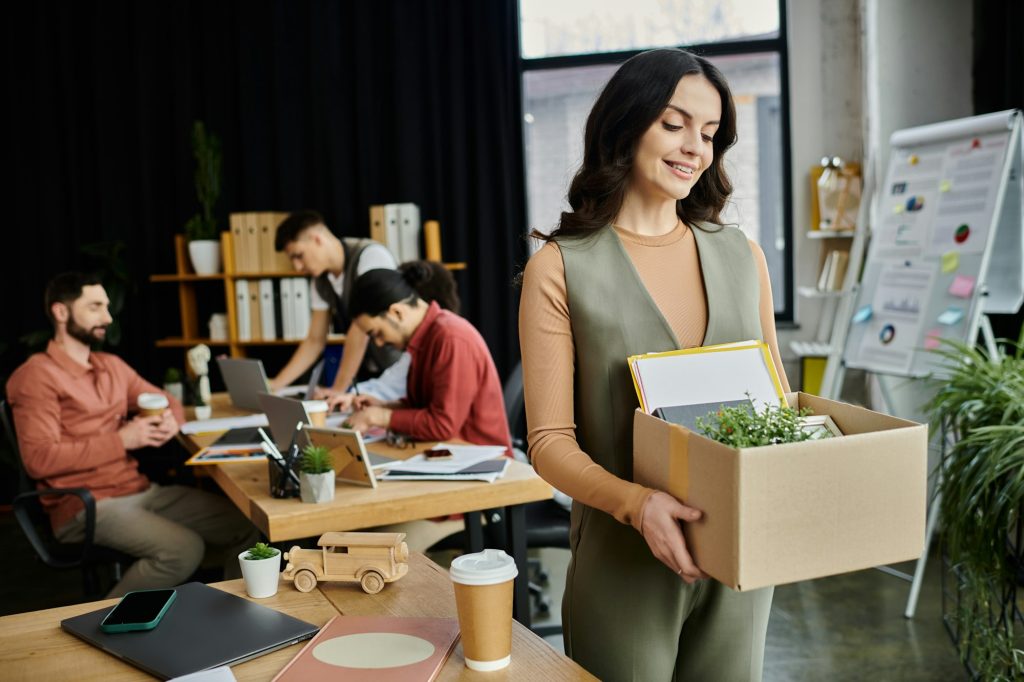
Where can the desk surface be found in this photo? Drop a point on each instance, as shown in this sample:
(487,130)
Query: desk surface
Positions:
(33,647)
(354,507)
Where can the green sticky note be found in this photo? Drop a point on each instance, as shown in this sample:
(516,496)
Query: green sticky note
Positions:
(950,261)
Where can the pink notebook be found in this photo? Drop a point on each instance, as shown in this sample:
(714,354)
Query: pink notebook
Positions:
(377,648)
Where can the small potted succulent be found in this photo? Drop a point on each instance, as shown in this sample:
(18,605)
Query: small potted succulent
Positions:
(261,569)
(173,383)
(316,481)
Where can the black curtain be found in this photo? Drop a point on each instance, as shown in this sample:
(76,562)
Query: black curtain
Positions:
(999,85)
(322,104)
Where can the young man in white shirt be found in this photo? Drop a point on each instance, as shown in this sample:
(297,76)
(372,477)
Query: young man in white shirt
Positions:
(331,263)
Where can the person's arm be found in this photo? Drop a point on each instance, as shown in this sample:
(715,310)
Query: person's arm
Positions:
(766,311)
(454,375)
(356,341)
(307,353)
(35,404)
(545,335)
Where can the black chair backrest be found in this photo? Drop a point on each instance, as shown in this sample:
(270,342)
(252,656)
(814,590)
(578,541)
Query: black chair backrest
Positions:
(24,481)
(515,406)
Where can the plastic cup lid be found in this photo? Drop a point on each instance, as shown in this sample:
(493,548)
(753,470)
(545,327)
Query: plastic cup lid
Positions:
(315,405)
(152,401)
(488,567)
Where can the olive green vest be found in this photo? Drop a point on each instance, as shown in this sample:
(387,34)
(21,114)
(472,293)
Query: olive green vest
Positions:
(613,316)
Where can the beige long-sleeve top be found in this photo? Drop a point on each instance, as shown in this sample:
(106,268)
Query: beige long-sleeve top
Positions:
(669,267)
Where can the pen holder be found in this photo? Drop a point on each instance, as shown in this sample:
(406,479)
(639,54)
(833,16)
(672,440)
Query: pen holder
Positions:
(282,485)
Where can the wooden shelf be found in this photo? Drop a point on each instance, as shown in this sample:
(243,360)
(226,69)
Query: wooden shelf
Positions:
(830,234)
(187,278)
(177,342)
(454,266)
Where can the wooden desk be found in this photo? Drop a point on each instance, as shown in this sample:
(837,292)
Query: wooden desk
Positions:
(247,485)
(33,647)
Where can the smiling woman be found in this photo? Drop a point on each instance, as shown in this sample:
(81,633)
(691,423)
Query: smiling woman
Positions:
(642,263)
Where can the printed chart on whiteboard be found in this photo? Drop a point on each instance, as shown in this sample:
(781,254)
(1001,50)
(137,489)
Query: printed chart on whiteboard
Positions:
(935,218)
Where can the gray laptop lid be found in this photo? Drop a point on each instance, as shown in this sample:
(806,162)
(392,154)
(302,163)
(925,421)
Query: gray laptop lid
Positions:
(282,416)
(244,379)
(204,628)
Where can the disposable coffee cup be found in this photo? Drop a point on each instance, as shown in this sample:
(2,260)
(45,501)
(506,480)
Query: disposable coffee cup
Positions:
(483,596)
(317,411)
(152,404)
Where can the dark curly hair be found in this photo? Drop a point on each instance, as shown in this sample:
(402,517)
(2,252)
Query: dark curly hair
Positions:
(631,101)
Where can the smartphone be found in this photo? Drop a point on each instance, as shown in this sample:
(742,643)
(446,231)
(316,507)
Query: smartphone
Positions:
(140,610)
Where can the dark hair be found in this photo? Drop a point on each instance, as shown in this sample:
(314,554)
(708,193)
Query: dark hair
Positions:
(66,288)
(630,102)
(292,226)
(377,290)
(433,282)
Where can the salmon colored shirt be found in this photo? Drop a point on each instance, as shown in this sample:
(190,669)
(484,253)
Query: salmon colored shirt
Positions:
(67,417)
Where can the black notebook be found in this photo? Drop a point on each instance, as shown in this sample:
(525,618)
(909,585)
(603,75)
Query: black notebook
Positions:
(203,628)
(686,415)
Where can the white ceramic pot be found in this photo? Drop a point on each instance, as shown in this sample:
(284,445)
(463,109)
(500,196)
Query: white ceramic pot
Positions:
(176,389)
(261,575)
(203,412)
(205,256)
(317,488)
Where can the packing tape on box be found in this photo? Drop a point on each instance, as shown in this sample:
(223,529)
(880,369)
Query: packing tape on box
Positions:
(678,463)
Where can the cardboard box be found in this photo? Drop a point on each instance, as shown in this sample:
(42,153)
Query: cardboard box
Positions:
(782,513)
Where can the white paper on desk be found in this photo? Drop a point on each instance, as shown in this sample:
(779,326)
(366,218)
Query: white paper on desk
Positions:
(462,457)
(490,474)
(224,423)
(219,674)
(710,374)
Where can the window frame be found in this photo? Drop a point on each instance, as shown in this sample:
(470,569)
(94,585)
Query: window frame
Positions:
(731,48)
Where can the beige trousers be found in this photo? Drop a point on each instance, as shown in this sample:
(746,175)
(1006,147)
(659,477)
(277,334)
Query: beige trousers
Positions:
(169,529)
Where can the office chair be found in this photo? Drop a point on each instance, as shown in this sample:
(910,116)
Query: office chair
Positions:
(35,524)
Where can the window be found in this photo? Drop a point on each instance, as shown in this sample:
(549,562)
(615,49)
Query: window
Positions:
(570,50)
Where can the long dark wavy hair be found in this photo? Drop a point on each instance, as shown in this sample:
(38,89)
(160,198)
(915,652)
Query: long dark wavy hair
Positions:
(631,101)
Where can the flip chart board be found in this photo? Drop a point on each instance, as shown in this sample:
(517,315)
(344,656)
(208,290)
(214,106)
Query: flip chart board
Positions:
(947,243)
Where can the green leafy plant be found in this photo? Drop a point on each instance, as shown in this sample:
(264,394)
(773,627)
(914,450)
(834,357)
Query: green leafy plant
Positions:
(206,150)
(739,427)
(261,550)
(172,375)
(316,459)
(982,494)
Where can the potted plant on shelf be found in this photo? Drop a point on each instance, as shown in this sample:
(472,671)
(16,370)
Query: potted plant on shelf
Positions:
(261,570)
(981,484)
(316,482)
(173,383)
(201,229)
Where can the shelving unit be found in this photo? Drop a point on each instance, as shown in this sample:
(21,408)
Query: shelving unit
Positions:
(813,355)
(188,282)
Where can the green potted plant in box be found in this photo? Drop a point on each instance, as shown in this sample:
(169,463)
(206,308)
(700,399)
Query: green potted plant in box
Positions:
(316,481)
(201,229)
(742,427)
(981,485)
(261,570)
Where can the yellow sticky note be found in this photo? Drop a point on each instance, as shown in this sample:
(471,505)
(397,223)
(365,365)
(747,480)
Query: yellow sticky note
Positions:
(950,261)
(945,185)
(913,160)
(898,208)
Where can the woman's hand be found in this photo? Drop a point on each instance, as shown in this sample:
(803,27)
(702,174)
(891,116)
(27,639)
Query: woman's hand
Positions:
(363,401)
(340,401)
(660,528)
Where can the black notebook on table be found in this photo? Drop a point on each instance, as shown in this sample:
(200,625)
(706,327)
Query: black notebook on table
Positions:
(203,628)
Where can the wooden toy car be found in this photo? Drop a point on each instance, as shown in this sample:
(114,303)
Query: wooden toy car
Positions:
(370,559)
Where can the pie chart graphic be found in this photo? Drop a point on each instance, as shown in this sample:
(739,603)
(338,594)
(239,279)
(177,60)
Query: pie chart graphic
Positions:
(961,234)
(887,334)
(915,203)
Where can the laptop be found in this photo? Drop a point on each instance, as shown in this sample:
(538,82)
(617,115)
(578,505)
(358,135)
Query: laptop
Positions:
(204,628)
(245,378)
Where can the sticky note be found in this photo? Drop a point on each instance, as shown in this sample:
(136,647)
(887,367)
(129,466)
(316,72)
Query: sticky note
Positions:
(951,315)
(945,186)
(950,261)
(862,315)
(898,208)
(913,160)
(931,342)
(962,286)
